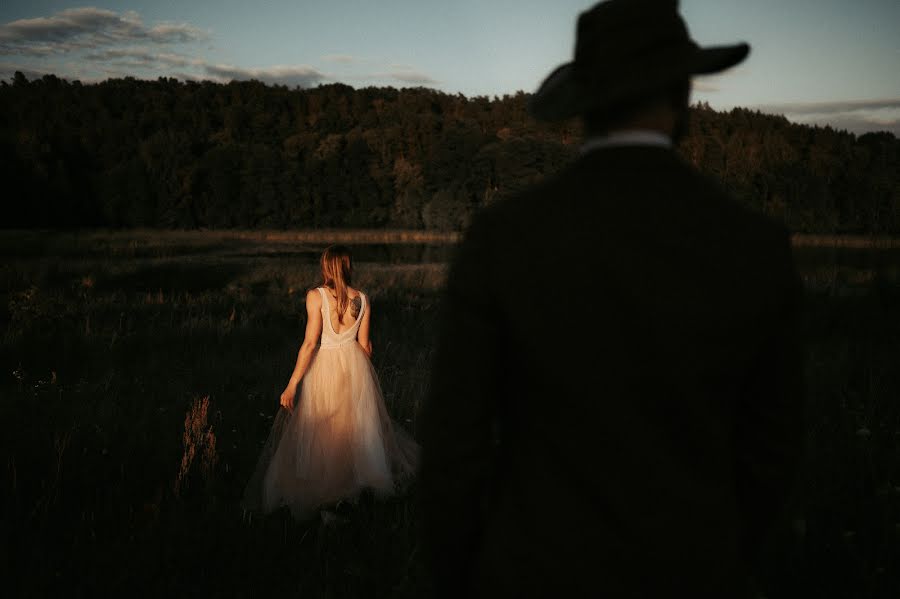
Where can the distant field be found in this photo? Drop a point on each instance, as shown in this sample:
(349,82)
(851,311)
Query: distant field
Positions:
(161,242)
(113,341)
(387,260)
(165,237)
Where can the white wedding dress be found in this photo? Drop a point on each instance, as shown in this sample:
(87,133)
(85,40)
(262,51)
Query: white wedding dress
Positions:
(338,439)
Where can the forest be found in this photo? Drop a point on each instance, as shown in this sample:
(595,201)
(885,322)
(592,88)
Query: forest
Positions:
(202,155)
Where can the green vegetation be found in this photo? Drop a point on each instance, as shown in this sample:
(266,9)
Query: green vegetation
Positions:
(172,154)
(116,346)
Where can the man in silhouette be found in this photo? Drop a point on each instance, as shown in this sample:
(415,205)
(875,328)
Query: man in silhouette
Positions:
(615,408)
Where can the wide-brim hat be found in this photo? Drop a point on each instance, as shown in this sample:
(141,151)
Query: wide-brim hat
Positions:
(624,50)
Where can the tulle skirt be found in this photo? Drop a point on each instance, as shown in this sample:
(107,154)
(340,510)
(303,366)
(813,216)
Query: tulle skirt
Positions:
(338,440)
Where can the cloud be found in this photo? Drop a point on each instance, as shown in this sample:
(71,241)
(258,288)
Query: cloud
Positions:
(858,125)
(131,55)
(831,107)
(176,33)
(178,60)
(411,76)
(341,58)
(399,72)
(144,58)
(290,75)
(407,74)
(858,116)
(186,76)
(8,70)
(703,86)
(97,43)
(89,28)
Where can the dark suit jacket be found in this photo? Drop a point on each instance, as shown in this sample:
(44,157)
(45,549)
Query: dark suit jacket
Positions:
(615,406)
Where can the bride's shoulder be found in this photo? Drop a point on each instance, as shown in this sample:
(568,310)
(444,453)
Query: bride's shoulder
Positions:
(314,296)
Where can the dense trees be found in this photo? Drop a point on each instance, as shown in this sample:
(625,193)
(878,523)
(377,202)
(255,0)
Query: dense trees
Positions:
(165,153)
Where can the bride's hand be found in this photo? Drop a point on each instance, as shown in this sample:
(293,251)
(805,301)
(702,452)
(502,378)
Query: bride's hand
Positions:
(287,397)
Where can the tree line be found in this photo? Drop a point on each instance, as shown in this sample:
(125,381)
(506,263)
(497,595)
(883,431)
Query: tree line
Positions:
(184,154)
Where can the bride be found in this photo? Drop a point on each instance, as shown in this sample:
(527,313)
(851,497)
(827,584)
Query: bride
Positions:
(336,438)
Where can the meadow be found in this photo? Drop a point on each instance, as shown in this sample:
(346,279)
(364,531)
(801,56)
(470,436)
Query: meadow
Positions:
(141,372)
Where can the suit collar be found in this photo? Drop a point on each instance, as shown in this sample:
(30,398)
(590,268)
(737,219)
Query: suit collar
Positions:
(627,137)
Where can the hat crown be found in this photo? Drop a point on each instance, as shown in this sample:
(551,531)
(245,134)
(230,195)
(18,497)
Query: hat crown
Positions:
(621,29)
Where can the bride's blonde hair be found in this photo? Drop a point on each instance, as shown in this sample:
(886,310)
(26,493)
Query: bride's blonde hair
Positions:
(337,274)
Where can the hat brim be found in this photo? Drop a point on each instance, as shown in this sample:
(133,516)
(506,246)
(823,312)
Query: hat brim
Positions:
(561,96)
(718,58)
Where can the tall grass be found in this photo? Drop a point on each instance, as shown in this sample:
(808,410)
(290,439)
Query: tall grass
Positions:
(141,389)
(140,377)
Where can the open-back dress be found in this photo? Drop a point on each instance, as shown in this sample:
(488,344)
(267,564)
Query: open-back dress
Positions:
(338,439)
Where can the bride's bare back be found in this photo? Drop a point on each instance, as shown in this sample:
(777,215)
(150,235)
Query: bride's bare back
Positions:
(350,316)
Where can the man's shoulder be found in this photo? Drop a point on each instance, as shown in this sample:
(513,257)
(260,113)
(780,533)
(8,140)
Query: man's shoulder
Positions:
(720,202)
(746,219)
(528,203)
(506,213)
(600,177)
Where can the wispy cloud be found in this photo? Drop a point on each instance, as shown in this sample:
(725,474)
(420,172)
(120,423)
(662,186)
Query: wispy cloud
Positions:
(144,57)
(832,107)
(704,86)
(379,70)
(176,33)
(7,70)
(857,116)
(397,72)
(411,76)
(342,58)
(290,75)
(89,28)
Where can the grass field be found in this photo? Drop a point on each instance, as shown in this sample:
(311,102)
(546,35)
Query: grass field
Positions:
(140,374)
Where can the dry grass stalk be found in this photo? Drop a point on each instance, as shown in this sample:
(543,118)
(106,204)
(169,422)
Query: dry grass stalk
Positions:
(199,444)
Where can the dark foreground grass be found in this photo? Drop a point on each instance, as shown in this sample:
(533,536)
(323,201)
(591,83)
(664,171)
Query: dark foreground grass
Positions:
(106,352)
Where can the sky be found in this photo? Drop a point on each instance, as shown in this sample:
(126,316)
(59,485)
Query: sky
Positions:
(822,62)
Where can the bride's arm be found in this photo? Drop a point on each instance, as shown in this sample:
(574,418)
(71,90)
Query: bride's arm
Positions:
(363,336)
(307,348)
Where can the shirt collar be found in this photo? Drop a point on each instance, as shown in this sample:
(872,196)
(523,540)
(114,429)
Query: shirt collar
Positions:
(627,137)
